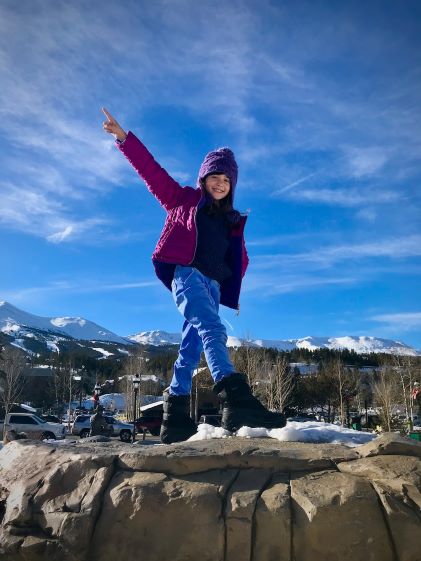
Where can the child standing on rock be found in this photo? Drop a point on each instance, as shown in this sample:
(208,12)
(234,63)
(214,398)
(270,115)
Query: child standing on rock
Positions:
(201,257)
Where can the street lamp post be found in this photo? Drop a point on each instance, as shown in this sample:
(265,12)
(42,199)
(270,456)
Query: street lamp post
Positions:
(78,378)
(136,384)
(70,400)
(415,400)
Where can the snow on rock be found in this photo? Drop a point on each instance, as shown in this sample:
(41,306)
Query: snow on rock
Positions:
(309,431)
(312,431)
(59,442)
(206,432)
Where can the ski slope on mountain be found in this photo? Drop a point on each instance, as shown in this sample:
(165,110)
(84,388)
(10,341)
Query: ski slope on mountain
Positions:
(359,344)
(14,321)
(17,323)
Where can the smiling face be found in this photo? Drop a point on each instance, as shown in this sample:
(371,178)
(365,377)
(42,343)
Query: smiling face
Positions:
(217,185)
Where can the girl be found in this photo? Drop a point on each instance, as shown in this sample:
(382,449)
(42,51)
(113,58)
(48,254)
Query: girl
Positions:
(201,257)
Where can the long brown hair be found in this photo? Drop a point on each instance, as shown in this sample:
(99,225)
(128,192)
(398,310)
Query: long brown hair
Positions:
(223,206)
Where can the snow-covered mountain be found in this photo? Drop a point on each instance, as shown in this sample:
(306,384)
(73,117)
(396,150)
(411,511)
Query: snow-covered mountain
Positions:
(359,344)
(156,338)
(17,322)
(35,333)
(39,335)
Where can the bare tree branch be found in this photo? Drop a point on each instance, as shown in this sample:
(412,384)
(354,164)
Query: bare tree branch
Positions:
(12,367)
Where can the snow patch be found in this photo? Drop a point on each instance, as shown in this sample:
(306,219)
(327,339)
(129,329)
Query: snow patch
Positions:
(312,431)
(20,344)
(293,432)
(28,407)
(206,432)
(59,442)
(11,328)
(51,346)
(103,351)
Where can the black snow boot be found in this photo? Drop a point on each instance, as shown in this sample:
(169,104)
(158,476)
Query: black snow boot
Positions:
(241,408)
(176,423)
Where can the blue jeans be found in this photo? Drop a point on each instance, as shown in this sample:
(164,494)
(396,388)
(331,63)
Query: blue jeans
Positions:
(197,299)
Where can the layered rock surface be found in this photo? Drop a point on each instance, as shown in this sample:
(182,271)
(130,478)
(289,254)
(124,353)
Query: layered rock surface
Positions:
(219,500)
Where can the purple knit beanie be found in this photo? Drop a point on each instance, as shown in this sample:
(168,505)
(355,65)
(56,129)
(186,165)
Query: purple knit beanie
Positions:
(221,160)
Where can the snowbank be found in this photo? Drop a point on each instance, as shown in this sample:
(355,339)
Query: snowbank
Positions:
(309,431)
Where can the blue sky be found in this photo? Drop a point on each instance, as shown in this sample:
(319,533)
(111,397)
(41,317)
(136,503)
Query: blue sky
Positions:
(320,102)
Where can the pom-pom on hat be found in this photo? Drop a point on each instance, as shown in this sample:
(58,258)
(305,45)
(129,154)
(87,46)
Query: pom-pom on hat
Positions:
(221,160)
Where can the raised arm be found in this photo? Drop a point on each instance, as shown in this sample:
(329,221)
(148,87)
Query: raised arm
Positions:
(164,188)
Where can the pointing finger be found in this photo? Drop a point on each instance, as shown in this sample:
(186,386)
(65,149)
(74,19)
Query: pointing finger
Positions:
(108,115)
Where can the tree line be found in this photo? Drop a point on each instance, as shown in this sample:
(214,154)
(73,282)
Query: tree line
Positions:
(342,384)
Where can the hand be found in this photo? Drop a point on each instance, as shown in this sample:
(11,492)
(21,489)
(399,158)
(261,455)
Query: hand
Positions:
(111,126)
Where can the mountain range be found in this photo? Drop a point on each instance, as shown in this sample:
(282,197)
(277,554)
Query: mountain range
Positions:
(37,334)
(359,344)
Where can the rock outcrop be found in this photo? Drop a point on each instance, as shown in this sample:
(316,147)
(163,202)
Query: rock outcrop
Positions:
(219,500)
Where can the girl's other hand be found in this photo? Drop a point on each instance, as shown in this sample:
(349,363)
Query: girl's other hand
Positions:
(111,126)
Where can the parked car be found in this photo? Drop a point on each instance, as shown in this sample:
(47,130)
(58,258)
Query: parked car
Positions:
(150,422)
(33,426)
(82,426)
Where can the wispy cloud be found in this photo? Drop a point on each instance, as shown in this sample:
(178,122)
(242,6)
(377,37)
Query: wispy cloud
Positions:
(282,239)
(26,295)
(404,321)
(78,162)
(32,211)
(368,214)
(328,265)
(366,161)
(330,120)
(287,283)
(347,197)
(327,256)
(67,230)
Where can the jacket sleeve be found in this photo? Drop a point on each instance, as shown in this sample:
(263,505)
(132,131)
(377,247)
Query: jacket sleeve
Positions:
(162,186)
